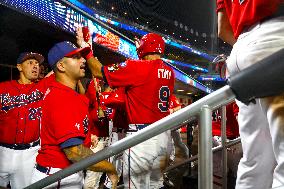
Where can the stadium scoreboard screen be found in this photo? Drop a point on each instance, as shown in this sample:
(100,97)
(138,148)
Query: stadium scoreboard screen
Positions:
(66,18)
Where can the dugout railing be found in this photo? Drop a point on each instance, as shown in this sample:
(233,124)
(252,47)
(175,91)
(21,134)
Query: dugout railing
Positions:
(249,84)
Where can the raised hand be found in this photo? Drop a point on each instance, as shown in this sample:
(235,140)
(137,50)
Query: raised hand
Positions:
(80,38)
(137,42)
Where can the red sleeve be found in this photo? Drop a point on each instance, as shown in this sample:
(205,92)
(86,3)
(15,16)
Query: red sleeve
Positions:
(94,119)
(91,93)
(125,74)
(220,5)
(43,84)
(116,98)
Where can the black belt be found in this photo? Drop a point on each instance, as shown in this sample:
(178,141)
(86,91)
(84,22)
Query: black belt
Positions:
(20,146)
(42,169)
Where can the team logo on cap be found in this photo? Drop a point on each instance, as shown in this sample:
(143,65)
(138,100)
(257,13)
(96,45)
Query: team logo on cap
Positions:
(71,44)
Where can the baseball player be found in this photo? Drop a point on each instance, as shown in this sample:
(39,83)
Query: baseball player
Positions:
(179,151)
(232,132)
(20,111)
(116,101)
(232,127)
(148,85)
(65,118)
(256,29)
(100,131)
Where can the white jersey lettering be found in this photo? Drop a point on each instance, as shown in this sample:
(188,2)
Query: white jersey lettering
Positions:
(164,74)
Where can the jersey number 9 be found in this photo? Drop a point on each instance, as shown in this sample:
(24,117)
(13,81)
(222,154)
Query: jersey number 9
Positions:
(164,95)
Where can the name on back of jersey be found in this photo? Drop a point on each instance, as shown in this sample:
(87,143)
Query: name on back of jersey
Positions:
(164,74)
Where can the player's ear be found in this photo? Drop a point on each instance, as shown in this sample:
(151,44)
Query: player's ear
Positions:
(19,67)
(60,66)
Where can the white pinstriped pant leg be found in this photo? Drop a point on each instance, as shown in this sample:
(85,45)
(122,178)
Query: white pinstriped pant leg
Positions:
(92,179)
(143,163)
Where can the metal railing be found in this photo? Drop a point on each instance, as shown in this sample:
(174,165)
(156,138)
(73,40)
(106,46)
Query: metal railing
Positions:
(195,157)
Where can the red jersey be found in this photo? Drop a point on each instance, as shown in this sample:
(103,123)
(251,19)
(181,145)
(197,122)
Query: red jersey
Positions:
(65,116)
(245,13)
(20,111)
(116,98)
(148,86)
(232,127)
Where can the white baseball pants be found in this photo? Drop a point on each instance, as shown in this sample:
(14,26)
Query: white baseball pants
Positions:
(74,181)
(261,124)
(16,166)
(145,162)
(92,179)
